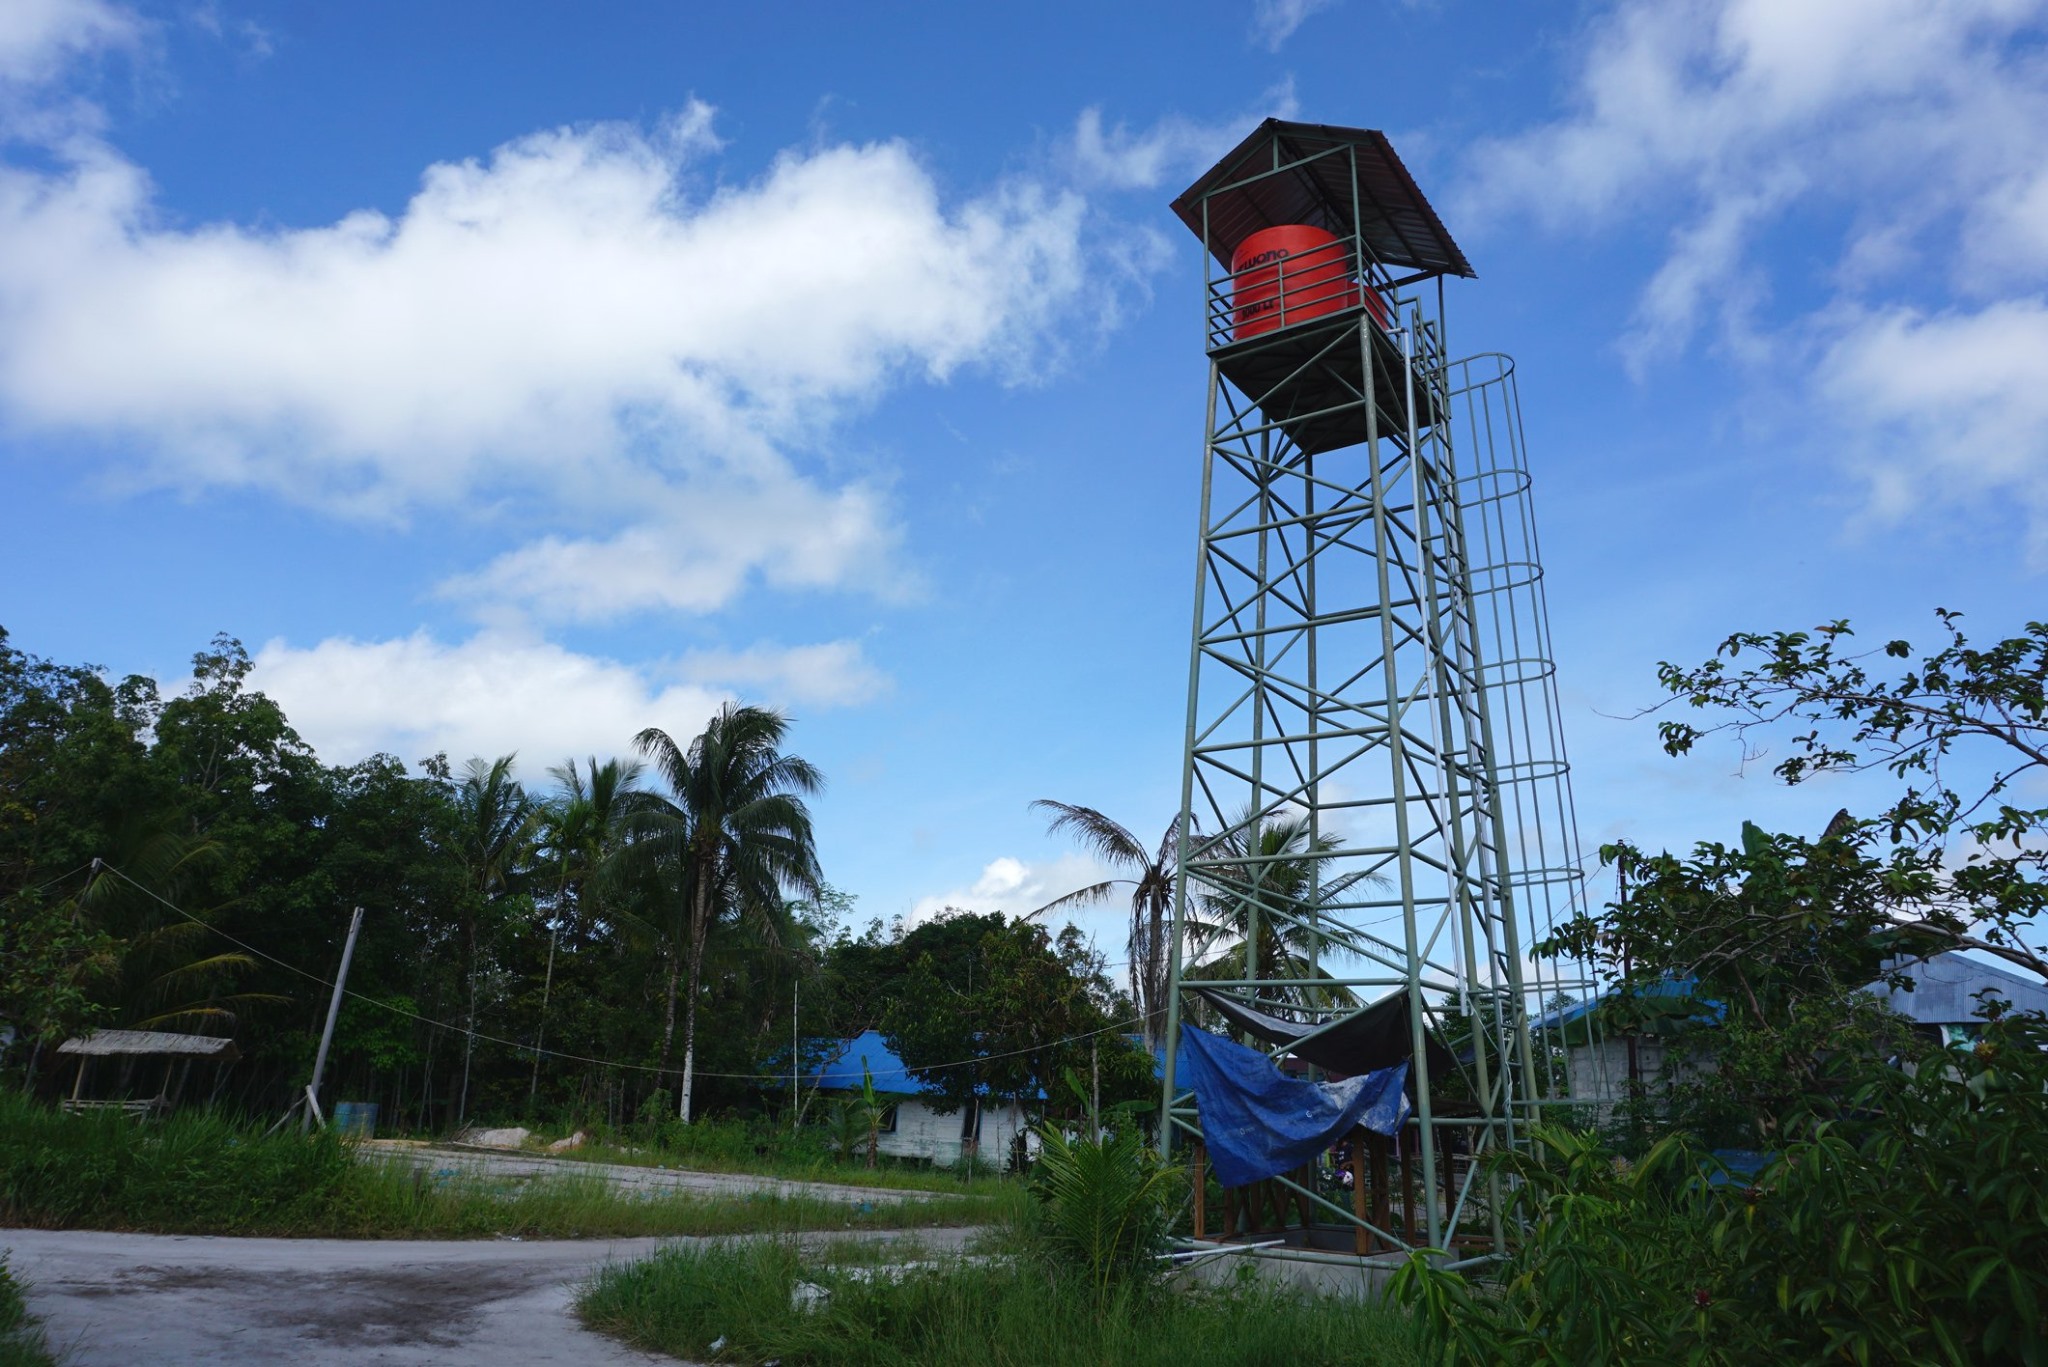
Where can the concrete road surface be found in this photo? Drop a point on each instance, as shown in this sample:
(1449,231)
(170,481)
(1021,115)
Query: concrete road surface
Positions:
(137,1300)
(627,1178)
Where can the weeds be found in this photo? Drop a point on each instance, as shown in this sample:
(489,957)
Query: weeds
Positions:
(202,1174)
(684,1299)
(21,1341)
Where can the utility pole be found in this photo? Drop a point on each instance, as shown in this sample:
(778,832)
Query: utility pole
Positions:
(794,989)
(1095,1086)
(348,952)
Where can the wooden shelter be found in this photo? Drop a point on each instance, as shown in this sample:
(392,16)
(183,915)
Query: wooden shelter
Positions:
(134,1048)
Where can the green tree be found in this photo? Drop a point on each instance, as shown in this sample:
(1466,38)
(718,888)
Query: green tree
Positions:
(576,831)
(1749,961)
(728,841)
(1965,727)
(1006,1012)
(1900,1222)
(489,840)
(1149,945)
(1250,914)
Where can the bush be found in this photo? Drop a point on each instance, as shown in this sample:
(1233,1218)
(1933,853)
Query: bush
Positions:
(1906,1222)
(188,1171)
(1105,1205)
(201,1174)
(21,1342)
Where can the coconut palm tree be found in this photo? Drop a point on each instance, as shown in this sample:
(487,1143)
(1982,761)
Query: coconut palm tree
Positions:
(728,840)
(489,838)
(1248,913)
(576,830)
(1151,884)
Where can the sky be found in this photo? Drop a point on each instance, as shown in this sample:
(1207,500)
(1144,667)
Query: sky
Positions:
(513,376)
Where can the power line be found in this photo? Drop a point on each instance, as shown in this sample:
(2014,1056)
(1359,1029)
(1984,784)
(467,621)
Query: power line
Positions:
(557,1053)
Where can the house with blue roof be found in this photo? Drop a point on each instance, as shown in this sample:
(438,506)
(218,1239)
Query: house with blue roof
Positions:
(911,1128)
(1942,1003)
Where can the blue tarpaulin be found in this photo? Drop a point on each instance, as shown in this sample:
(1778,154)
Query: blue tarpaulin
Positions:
(1257,1122)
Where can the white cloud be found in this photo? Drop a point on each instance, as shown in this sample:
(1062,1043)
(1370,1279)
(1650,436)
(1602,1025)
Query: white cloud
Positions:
(1274,21)
(572,335)
(37,37)
(1914,125)
(1173,148)
(699,553)
(830,674)
(500,692)
(544,311)
(1015,886)
(1948,407)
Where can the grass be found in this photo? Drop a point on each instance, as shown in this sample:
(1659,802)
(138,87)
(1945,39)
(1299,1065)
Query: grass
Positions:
(682,1300)
(200,1173)
(21,1341)
(751,1147)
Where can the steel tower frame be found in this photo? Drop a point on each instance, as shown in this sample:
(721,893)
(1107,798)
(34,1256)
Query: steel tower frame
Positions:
(1345,807)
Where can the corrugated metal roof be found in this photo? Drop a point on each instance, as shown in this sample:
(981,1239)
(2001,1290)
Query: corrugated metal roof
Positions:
(1314,186)
(867,1048)
(107,1042)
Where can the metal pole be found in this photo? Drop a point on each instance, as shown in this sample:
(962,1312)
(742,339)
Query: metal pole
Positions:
(794,989)
(348,951)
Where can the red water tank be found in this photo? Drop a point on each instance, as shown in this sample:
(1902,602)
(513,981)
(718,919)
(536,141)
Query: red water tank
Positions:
(1292,273)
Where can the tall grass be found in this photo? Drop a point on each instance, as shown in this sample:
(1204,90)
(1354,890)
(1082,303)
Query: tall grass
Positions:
(202,1174)
(21,1341)
(681,1300)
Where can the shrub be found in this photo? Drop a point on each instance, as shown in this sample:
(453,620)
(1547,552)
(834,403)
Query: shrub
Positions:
(1105,1204)
(21,1342)
(1906,1222)
(683,1299)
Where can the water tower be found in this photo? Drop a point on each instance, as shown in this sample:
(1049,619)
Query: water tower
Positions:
(1379,819)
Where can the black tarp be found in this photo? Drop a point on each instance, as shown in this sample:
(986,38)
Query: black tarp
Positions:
(1377,1037)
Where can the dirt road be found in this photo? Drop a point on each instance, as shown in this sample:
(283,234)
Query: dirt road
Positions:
(138,1300)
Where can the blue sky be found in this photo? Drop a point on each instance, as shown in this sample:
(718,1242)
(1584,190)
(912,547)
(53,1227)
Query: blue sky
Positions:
(513,376)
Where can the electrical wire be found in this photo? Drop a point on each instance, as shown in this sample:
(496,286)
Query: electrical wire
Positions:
(531,1050)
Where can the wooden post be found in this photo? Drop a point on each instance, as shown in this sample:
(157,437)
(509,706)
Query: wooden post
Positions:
(1382,1197)
(1198,1166)
(78,1086)
(1447,1143)
(1411,1140)
(1363,1237)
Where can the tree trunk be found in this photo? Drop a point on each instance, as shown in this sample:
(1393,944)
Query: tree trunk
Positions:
(540,1037)
(698,933)
(469,1036)
(668,1021)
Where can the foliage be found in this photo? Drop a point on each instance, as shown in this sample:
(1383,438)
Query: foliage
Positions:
(1749,962)
(1148,947)
(1249,914)
(21,1341)
(50,958)
(1904,1220)
(682,1299)
(199,1173)
(994,1011)
(1963,726)
(514,937)
(1106,1204)
(726,844)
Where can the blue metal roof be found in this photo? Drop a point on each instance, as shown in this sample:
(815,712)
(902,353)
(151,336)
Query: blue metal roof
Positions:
(867,1049)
